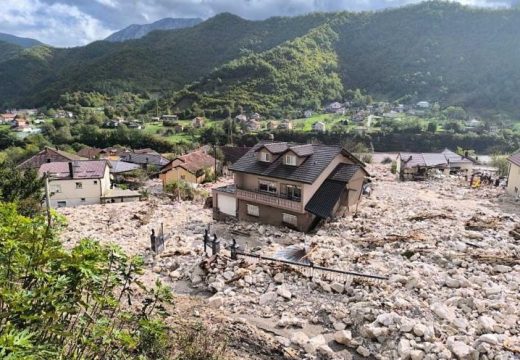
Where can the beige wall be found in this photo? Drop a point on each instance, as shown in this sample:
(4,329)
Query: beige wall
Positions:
(91,190)
(310,189)
(513,181)
(179,173)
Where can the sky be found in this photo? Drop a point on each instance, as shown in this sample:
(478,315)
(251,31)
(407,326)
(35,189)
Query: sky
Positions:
(67,23)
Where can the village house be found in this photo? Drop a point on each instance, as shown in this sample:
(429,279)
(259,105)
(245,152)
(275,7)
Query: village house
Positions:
(84,182)
(420,166)
(319,126)
(252,125)
(48,155)
(20,124)
(169,118)
(144,157)
(513,179)
(272,125)
(285,125)
(335,108)
(241,118)
(423,104)
(198,122)
(307,114)
(7,118)
(290,184)
(192,168)
(255,116)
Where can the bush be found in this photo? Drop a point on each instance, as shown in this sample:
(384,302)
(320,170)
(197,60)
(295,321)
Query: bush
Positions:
(393,168)
(185,191)
(366,158)
(500,162)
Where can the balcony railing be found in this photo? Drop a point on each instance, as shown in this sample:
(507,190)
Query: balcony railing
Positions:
(274,200)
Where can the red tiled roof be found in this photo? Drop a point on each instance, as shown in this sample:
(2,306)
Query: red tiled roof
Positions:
(84,169)
(192,162)
(515,159)
(48,155)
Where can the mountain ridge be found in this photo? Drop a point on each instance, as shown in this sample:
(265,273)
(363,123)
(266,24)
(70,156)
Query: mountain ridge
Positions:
(137,31)
(20,41)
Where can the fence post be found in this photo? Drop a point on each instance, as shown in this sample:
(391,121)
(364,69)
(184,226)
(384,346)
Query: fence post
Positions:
(234,249)
(152,240)
(215,245)
(206,240)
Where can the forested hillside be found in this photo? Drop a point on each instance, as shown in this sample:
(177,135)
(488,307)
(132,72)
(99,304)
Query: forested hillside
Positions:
(165,60)
(435,51)
(302,73)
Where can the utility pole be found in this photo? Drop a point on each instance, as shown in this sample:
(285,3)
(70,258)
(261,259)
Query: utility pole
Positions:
(48,200)
(215,157)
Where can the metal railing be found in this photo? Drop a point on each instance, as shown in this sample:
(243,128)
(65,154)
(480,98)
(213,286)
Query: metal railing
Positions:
(270,199)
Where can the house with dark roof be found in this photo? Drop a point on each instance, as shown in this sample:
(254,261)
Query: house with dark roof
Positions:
(144,158)
(419,166)
(48,155)
(83,182)
(513,179)
(191,167)
(291,184)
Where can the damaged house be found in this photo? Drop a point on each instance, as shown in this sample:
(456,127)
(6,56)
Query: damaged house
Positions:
(290,184)
(420,166)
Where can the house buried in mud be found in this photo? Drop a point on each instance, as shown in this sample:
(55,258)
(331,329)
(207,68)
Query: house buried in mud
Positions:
(420,166)
(290,184)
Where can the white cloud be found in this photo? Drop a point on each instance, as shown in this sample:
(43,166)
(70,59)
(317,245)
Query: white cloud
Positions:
(56,24)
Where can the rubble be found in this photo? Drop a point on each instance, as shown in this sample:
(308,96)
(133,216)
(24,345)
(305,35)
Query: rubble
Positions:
(450,254)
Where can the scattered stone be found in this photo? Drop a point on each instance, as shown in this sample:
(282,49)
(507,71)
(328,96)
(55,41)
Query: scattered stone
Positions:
(299,338)
(363,351)
(278,278)
(266,298)
(343,337)
(419,329)
(283,292)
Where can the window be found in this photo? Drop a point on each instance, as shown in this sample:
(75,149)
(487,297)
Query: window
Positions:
(267,186)
(265,156)
(183,177)
(294,192)
(95,182)
(62,204)
(79,185)
(289,219)
(83,199)
(290,160)
(253,210)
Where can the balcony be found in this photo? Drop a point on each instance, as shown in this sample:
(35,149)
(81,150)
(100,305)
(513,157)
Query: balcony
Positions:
(274,200)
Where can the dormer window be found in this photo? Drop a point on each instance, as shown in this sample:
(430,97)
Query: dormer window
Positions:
(265,156)
(290,160)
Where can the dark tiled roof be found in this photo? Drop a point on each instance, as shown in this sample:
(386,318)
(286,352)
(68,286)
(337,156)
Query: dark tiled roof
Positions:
(515,159)
(325,198)
(86,169)
(233,153)
(119,167)
(453,157)
(48,155)
(89,152)
(344,172)
(153,159)
(307,172)
(275,148)
(303,150)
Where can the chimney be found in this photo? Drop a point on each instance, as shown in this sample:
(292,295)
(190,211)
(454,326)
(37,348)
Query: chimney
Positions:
(71,170)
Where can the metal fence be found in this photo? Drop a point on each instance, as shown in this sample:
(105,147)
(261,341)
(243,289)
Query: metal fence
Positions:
(309,269)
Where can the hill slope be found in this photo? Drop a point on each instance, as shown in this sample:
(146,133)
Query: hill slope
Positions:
(9,51)
(20,41)
(138,31)
(162,60)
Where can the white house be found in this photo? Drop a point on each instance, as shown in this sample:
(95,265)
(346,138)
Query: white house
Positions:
(423,104)
(319,126)
(83,182)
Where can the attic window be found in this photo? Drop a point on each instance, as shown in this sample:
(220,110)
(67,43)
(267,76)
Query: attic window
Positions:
(290,160)
(265,156)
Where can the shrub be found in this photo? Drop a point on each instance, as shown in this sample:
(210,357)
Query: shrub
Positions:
(366,158)
(393,168)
